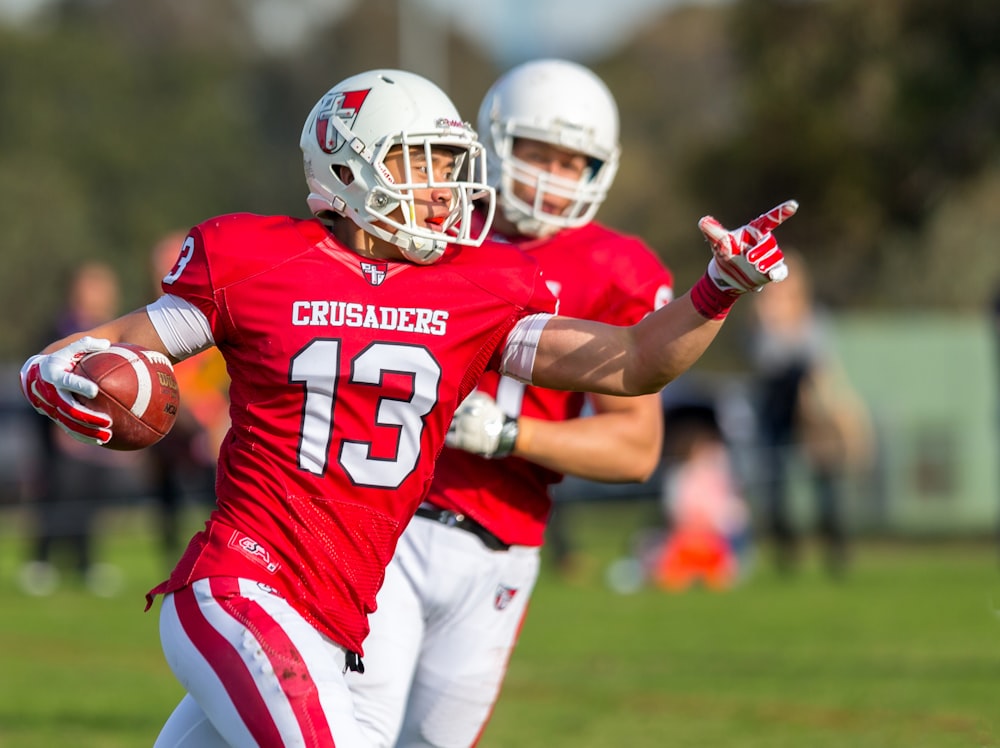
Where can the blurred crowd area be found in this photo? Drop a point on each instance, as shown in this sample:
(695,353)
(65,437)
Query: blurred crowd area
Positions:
(882,123)
(885,444)
(833,427)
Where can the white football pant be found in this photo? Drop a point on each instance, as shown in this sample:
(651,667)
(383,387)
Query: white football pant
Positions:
(448,618)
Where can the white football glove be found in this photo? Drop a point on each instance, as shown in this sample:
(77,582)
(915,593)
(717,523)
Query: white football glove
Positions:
(747,258)
(49,384)
(479,426)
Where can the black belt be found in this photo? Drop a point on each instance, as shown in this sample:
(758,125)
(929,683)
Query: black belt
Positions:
(451,519)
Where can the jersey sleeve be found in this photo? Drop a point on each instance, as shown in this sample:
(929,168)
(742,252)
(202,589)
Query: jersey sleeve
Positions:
(639,284)
(603,275)
(226,250)
(191,279)
(542,300)
(518,360)
(182,328)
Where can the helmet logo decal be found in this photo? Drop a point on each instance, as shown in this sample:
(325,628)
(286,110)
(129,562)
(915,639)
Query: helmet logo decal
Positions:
(374,271)
(455,123)
(345,105)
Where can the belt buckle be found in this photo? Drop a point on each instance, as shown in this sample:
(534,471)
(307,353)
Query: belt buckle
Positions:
(452,519)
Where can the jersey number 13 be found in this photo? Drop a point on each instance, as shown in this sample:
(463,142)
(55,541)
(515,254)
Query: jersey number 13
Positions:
(317,368)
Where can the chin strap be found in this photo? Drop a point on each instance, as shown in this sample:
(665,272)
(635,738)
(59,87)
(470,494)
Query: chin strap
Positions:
(420,251)
(535,228)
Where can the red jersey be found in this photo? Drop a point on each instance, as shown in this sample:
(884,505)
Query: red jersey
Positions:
(596,274)
(345,373)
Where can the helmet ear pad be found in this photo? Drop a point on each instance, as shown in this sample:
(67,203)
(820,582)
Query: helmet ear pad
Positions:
(344,174)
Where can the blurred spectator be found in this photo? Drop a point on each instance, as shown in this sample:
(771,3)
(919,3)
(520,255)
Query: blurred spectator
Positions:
(995,322)
(74,480)
(183,462)
(707,540)
(702,536)
(806,408)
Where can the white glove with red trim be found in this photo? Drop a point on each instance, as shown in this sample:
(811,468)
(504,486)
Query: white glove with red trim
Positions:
(479,426)
(49,384)
(747,258)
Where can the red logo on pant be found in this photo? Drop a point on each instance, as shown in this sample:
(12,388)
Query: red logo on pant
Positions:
(503,596)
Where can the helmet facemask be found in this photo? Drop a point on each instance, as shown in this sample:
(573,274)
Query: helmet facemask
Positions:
(466,184)
(585,194)
(373,198)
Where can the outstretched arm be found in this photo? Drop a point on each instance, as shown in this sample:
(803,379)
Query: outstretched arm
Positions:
(576,354)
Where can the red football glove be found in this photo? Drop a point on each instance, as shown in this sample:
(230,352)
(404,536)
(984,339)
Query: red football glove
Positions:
(747,258)
(49,384)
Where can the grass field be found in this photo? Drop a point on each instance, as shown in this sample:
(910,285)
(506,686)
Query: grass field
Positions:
(904,652)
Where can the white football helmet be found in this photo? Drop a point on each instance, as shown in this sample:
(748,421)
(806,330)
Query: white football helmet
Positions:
(356,123)
(557,102)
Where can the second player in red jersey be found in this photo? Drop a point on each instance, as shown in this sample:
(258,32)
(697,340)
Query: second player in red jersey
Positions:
(596,274)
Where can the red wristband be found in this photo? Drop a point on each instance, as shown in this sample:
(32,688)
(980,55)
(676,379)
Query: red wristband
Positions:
(710,301)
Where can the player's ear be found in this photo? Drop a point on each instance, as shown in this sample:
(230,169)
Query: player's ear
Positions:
(344,174)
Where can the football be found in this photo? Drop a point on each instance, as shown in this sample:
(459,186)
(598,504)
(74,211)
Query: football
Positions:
(137,389)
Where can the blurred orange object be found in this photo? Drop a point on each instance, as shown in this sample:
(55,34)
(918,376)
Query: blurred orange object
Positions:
(203,382)
(693,555)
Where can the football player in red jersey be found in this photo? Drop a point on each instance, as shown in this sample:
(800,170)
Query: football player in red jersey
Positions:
(350,340)
(457,589)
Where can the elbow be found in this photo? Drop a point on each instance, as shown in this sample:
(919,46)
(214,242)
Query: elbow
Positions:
(638,388)
(642,464)
(647,379)
(644,468)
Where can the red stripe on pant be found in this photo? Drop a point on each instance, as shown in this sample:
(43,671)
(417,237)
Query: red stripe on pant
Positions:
(289,668)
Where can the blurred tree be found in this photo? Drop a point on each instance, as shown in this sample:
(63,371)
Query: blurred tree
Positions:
(123,120)
(675,86)
(870,114)
(107,147)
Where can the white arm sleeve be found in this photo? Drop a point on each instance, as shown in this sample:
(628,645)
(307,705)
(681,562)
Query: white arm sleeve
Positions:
(522,343)
(182,326)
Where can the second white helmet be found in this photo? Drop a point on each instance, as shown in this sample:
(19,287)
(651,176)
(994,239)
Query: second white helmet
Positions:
(355,124)
(557,102)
